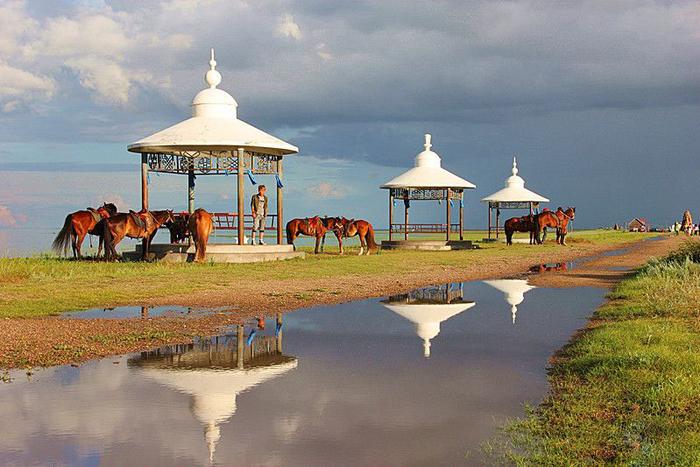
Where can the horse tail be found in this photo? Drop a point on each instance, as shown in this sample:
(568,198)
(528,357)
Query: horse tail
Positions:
(107,238)
(63,239)
(370,238)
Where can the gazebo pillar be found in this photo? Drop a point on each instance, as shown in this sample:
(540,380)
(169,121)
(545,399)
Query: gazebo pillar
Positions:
(241,194)
(144,181)
(498,217)
(190,190)
(461,216)
(280,211)
(447,214)
(489,216)
(405,218)
(391,212)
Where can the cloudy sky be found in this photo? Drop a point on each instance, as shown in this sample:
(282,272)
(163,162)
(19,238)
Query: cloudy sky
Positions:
(600,100)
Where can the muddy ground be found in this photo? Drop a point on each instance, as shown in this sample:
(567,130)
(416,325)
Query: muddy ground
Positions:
(26,343)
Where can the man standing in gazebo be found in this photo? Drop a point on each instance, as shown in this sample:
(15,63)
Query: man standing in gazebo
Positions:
(258,205)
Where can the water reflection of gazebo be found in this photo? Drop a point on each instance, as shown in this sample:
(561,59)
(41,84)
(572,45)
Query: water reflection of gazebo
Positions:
(514,291)
(427,181)
(214,141)
(513,196)
(214,372)
(427,308)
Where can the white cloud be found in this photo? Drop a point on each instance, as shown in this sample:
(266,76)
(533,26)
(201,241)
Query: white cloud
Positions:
(8,218)
(289,28)
(17,86)
(327,190)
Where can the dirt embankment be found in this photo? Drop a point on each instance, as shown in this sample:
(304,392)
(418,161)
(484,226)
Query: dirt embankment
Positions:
(28,343)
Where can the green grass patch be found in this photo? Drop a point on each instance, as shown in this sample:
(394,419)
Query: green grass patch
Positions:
(627,390)
(46,285)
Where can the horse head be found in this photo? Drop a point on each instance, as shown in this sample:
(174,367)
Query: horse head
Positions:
(111,208)
(570,212)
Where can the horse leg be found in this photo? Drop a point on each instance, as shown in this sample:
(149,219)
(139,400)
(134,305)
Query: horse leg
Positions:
(544,235)
(323,242)
(79,244)
(340,243)
(318,241)
(362,244)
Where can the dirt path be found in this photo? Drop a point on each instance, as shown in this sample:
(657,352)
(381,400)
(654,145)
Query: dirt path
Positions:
(607,270)
(26,343)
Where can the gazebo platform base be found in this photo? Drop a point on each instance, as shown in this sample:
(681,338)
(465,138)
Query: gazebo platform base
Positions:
(219,253)
(427,245)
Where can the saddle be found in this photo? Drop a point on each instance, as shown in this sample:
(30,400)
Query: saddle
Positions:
(95,214)
(312,224)
(142,219)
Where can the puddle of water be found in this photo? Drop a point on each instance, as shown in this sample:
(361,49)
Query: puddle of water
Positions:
(352,384)
(124,312)
(553,267)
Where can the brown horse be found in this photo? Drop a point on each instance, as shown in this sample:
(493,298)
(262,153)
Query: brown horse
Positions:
(79,224)
(201,224)
(142,224)
(564,218)
(364,230)
(178,228)
(333,224)
(313,227)
(542,221)
(519,224)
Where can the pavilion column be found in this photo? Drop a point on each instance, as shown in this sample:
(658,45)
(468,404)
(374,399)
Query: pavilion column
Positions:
(391,211)
(144,181)
(190,190)
(498,217)
(531,210)
(280,204)
(405,218)
(489,226)
(241,194)
(447,213)
(461,217)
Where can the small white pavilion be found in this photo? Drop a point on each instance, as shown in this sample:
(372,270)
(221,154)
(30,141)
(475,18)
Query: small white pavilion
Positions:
(514,291)
(513,196)
(214,141)
(427,180)
(428,308)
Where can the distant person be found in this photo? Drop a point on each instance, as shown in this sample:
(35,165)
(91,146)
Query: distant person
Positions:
(258,205)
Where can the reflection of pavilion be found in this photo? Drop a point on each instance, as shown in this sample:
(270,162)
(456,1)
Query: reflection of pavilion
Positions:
(514,291)
(427,308)
(213,373)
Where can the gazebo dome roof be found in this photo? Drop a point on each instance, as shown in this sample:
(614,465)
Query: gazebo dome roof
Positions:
(515,190)
(214,126)
(514,291)
(427,317)
(428,173)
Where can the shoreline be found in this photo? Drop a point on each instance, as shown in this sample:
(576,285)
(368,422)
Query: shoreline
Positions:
(48,341)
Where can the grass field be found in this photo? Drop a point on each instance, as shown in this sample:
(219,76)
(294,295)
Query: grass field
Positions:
(626,391)
(48,285)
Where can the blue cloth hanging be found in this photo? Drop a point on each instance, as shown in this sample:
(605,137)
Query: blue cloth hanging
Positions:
(393,202)
(278,329)
(279,181)
(451,204)
(461,203)
(440,202)
(250,337)
(407,203)
(250,176)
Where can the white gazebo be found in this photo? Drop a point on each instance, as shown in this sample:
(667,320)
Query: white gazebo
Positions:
(213,376)
(428,308)
(214,141)
(514,291)
(426,181)
(513,196)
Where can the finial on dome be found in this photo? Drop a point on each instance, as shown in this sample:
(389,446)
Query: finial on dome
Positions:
(513,312)
(212,77)
(515,166)
(427,144)
(426,344)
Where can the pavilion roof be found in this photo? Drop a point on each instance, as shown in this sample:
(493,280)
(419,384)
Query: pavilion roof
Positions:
(515,191)
(428,173)
(214,126)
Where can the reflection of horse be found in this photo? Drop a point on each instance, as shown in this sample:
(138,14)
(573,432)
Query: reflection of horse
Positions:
(564,218)
(78,224)
(201,224)
(143,224)
(519,224)
(313,227)
(542,221)
(687,224)
(364,230)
